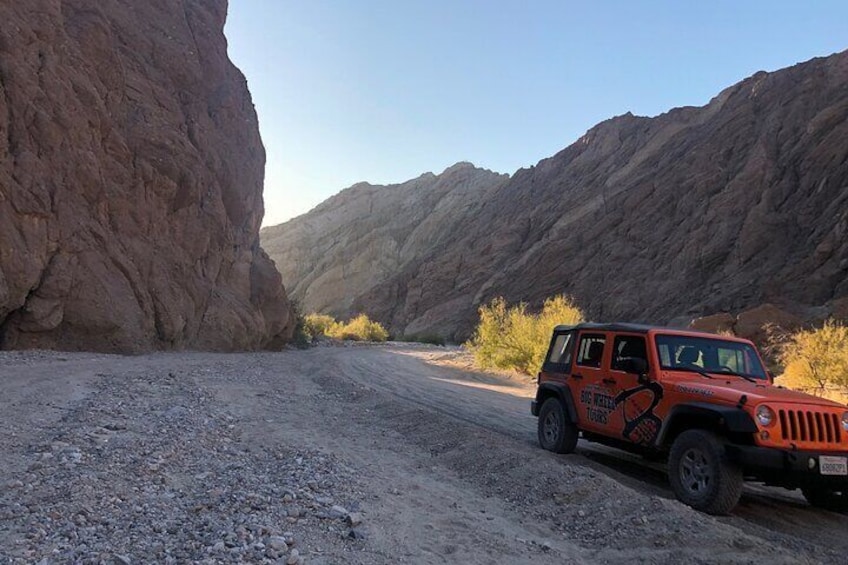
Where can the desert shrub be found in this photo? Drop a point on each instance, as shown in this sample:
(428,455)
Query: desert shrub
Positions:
(360,328)
(316,325)
(301,337)
(511,338)
(816,360)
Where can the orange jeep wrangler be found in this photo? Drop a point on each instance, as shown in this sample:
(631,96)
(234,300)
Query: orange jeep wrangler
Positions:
(703,401)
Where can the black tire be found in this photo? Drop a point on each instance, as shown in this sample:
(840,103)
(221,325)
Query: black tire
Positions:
(701,474)
(556,432)
(829,499)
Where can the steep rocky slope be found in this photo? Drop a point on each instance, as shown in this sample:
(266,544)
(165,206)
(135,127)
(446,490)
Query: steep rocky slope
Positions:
(720,208)
(131,173)
(366,235)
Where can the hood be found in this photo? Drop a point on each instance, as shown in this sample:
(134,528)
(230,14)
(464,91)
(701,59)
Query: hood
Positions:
(731,389)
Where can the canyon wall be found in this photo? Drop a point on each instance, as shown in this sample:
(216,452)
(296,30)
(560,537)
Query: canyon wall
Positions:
(722,208)
(131,175)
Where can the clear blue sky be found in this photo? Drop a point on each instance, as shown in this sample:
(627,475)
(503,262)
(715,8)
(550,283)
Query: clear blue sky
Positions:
(382,91)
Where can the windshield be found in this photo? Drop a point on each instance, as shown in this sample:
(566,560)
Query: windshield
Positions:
(710,355)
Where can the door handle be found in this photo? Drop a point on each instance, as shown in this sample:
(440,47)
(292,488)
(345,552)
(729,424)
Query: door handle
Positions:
(576,376)
(608,381)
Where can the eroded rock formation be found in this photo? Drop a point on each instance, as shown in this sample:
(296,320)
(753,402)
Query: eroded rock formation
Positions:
(720,208)
(131,173)
(366,235)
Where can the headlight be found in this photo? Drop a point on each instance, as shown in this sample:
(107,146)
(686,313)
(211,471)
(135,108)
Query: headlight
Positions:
(845,421)
(765,416)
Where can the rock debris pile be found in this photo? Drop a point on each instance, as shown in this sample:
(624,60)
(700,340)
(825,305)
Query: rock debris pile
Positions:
(136,479)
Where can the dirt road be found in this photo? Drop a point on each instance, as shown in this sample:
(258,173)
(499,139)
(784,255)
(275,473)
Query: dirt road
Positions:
(337,455)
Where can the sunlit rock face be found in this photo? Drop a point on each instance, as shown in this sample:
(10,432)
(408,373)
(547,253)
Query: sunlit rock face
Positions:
(364,238)
(722,208)
(131,173)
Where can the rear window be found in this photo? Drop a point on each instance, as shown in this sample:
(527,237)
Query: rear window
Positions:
(560,352)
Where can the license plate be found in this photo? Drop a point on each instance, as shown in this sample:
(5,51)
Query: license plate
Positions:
(830,465)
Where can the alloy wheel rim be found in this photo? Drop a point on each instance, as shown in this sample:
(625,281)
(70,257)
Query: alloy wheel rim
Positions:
(696,474)
(551,428)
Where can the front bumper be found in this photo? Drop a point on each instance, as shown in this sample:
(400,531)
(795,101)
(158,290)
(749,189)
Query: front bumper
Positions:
(787,468)
(534,407)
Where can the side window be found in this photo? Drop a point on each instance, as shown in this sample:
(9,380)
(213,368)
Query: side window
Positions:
(561,349)
(628,346)
(591,350)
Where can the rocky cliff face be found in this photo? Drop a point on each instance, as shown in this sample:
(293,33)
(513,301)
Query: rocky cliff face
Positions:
(365,236)
(720,208)
(131,174)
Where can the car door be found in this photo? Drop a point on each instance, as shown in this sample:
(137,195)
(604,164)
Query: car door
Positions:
(593,395)
(635,418)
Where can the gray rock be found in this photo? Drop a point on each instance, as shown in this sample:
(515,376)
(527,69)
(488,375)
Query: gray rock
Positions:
(338,512)
(353,519)
(357,534)
(278,543)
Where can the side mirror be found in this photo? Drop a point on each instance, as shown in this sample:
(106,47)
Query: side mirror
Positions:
(770,376)
(635,366)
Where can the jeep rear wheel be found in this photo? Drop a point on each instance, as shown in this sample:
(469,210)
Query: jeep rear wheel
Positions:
(826,498)
(556,432)
(701,474)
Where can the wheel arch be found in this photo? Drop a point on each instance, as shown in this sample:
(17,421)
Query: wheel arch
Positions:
(730,422)
(560,392)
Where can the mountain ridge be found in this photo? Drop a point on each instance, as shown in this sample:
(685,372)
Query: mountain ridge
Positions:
(717,208)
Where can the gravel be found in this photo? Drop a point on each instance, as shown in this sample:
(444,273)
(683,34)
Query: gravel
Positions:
(363,455)
(153,470)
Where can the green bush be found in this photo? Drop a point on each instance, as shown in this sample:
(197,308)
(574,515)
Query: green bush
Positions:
(301,336)
(511,338)
(816,360)
(317,325)
(360,328)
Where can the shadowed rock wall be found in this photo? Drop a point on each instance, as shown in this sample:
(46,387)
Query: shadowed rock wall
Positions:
(719,208)
(131,173)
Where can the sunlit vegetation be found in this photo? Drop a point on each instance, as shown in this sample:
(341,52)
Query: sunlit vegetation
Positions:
(360,328)
(317,325)
(816,360)
(511,338)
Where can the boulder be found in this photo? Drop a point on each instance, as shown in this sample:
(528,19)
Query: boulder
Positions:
(753,324)
(715,323)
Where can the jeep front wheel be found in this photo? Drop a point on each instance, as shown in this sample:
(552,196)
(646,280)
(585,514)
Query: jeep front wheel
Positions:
(556,432)
(826,498)
(701,475)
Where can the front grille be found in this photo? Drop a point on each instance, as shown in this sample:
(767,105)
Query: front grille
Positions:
(808,426)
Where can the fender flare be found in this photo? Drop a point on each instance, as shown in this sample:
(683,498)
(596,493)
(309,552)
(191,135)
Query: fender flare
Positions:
(560,391)
(725,418)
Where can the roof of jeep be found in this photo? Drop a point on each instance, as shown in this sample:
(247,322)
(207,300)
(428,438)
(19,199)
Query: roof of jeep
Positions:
(610,327)
(624,327)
